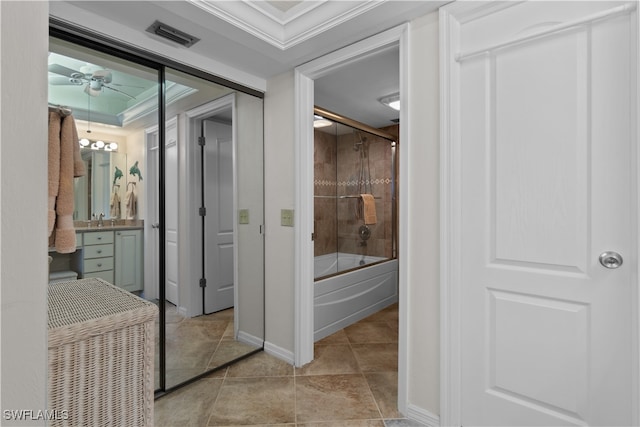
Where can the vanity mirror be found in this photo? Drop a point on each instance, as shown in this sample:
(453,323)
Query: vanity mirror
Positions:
(105,177)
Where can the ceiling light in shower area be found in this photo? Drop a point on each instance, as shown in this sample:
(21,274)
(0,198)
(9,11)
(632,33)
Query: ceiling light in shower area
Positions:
(391,101)
(320,122)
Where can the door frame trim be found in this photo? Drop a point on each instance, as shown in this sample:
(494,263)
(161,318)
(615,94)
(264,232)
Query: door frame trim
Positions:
(451,208)
(304,77)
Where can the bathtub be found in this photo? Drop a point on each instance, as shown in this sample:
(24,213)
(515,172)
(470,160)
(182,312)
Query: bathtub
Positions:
(343,299)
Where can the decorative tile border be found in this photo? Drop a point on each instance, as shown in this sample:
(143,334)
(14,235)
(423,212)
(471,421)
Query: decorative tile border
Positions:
(328,183)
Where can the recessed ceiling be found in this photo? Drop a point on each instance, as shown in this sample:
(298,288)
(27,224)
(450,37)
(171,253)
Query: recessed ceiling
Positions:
(125,94)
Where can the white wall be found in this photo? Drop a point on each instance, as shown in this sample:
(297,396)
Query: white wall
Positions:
(250,180)
(279,167)
(23,206)
(422,192)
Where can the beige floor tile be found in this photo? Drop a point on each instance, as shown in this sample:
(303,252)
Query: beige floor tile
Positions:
(333,398)
(189,406)
(384,386)
(371,332)
(254,401)
(227,351)
(388,314)
(339,337)
(260,365)
(376,357)
(329,360)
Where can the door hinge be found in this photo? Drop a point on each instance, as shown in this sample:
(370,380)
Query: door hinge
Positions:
(202,211)
(201,141)
(203,283)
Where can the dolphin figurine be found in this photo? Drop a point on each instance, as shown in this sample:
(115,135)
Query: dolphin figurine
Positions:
(133,170)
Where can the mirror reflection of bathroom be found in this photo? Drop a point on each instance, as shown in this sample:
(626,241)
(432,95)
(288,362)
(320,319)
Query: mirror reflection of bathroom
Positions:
(356,139)
(118,211)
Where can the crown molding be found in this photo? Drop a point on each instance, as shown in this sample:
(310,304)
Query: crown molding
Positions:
(174,92)
(289,28)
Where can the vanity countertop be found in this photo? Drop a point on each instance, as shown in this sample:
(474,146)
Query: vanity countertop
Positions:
(120,224)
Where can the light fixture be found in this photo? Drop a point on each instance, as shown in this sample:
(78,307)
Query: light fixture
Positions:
(320,122)
(94,88)
(98,145)
(391,101)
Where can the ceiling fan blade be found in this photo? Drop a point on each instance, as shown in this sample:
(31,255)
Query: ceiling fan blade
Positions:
(64,81)
(65,71)
(119,91)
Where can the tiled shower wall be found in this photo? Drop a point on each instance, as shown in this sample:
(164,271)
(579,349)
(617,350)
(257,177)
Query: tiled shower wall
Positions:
(337,172)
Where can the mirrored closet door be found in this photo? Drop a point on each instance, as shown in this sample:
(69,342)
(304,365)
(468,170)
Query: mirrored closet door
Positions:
(174,190)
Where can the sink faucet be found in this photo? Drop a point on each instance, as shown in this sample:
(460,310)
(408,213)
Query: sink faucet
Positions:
(100,220)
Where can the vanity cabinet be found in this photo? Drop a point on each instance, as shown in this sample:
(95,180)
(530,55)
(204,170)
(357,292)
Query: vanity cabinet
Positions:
(129,259)
(115,256)
(98,255)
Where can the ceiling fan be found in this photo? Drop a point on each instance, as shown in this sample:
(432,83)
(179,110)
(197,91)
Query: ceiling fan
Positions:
(94,80)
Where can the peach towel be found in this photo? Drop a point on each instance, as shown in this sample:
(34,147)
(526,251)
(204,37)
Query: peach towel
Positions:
(369,209)
(65,163)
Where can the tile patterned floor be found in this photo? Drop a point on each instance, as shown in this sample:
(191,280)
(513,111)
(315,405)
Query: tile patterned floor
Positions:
(352,382)
(197,344)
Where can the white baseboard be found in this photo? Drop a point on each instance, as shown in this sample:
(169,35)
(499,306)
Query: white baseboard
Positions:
(279,352)
(249,339)
(183,311)
(415,413)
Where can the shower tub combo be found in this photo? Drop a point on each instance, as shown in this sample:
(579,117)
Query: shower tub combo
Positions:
(355,263)
(343,299)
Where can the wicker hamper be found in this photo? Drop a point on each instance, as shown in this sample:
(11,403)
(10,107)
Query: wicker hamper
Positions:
(101,355)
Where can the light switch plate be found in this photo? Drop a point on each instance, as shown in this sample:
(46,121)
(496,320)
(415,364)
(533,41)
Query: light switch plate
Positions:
(286,217)
(243,216)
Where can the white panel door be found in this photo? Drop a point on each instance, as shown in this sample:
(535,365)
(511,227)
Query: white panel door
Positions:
(548,183)
(219,220)
(171,212)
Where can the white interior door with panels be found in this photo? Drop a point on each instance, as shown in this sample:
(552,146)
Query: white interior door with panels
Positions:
(219,220)
(540,192)
(171,211)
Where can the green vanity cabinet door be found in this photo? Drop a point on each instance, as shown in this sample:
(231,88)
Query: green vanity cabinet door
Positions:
(129,259)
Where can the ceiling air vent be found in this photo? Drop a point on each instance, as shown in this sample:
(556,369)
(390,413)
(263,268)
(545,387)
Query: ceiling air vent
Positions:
(173,34)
